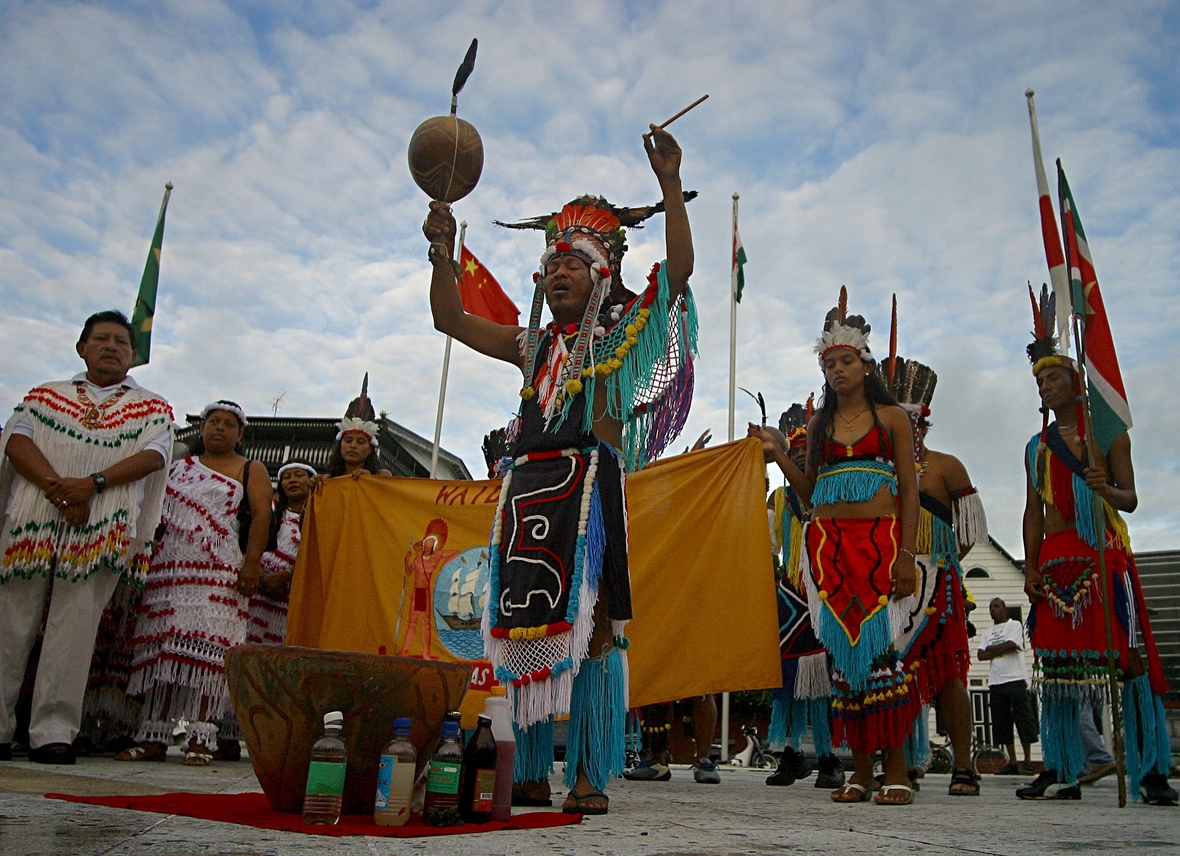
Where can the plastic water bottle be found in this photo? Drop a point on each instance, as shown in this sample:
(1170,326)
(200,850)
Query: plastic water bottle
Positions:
(479,774)
(446,770)
(496,707)
(395,777)
(325,776)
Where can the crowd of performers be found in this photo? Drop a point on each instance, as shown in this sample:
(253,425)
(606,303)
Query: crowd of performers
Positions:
(869,530)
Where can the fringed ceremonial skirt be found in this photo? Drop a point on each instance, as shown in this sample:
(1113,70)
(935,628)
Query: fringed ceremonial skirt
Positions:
(849,580)
(191,612)
(934,646)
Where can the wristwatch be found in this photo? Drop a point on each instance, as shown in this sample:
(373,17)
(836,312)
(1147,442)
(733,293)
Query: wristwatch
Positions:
(100,482)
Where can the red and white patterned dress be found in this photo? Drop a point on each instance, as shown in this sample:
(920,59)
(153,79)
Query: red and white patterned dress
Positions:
(191,612)
(268,615)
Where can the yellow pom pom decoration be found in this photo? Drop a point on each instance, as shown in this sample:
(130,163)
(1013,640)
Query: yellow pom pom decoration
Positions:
(573,386)
(621,351)
(588,371)
(823,595)
(930,610)
(644,313)
(631,330)
(527,393)
(883,600)
(632,340)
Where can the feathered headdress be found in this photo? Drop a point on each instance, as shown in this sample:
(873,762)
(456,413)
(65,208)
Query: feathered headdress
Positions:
(910,382)
(1042,352)
(359,416)
(793,422)
(842,330)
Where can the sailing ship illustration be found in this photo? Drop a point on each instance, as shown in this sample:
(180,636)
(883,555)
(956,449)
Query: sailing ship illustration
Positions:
(467,596)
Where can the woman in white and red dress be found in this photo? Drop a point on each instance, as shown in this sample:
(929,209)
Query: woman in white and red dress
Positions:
(205,570)
(268,608)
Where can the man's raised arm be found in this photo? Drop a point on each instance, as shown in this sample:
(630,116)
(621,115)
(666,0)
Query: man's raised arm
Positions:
(480,334)
(664,155)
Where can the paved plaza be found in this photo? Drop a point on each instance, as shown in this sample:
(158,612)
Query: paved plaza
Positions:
(741,815)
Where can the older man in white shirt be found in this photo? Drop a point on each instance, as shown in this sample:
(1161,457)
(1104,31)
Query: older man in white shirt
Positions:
(81,486)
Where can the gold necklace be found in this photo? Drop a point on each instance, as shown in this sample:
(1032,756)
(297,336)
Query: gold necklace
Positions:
(848,423)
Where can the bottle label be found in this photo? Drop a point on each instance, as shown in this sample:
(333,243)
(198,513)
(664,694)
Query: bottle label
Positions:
(384,780)
(443,777)
(485,789)
(326,778)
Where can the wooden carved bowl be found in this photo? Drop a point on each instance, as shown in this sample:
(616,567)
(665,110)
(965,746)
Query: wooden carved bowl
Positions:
(280,696)
(446,157)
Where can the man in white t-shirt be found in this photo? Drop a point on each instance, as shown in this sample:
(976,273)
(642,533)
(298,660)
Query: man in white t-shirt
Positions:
(1007,682)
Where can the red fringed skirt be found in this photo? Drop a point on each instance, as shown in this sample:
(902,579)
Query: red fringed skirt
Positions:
(851,564)
(939,651)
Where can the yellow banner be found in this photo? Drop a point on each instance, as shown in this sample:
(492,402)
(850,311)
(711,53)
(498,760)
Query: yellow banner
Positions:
(398,566)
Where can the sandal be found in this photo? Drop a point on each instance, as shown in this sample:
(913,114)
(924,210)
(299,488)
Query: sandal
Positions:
(197,759)
(851,793)
(883,798)
(967,782)
(144,752)
(577,807)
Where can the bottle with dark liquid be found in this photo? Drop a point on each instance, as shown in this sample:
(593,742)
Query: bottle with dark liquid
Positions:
(446,770)
(479,774)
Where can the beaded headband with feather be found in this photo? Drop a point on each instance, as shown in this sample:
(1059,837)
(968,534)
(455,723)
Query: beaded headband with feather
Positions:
(360,416)
(842,330)
(1042,353)
(229,407)
(793,422)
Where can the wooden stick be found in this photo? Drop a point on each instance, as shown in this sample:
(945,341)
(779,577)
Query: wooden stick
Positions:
(682,112)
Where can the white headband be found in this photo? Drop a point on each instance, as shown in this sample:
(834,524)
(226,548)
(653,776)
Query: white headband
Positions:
(352,423)
(296,465)
(228,407)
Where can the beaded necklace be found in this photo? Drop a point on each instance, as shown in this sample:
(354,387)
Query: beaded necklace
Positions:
(94,415)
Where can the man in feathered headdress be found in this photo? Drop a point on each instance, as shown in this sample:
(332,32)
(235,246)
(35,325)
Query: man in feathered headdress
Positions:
(934,644)
(1063,582)
(606,383)
(81,487)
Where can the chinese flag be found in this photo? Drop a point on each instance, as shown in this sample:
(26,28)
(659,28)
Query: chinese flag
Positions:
(482,295)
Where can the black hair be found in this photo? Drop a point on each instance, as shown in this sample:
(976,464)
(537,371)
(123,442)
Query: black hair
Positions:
(875,393)
(196,446)
(109,316)
(336,461)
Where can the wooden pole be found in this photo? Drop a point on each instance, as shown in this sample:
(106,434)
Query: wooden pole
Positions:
(442,389)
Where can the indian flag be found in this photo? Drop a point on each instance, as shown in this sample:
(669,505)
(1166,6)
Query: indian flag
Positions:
(145,303)
(1110,414)
(738,272)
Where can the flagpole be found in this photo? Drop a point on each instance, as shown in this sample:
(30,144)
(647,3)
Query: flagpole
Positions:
(732,402)
(442,388)
(1099,515)
(1058,273)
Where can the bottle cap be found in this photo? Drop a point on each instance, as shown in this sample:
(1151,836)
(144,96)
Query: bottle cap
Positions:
(402,723)
(334,717)
(450,728)
(484,719)
(499,691)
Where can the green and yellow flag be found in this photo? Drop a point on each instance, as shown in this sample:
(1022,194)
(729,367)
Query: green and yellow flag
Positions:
(145,303)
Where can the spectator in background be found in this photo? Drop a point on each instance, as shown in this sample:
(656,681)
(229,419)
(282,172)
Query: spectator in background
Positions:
(1002,647)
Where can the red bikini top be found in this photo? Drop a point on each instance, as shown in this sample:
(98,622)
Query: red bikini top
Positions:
(874,444)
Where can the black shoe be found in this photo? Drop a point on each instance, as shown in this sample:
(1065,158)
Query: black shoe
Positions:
(5,751)
(791,766)
(53,753)
(1045,787)
(1155,790)
(831,773)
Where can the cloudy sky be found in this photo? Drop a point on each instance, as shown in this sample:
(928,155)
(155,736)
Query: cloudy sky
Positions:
(884,146)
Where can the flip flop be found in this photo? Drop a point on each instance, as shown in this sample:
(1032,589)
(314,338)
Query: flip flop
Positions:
(882,798)
(197,759)
(851,793)
(578,808)
(138,753)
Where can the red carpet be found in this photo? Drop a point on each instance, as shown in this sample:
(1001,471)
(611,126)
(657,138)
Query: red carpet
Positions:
(254,810)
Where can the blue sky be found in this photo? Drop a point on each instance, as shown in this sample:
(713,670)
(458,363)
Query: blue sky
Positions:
(881,146)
